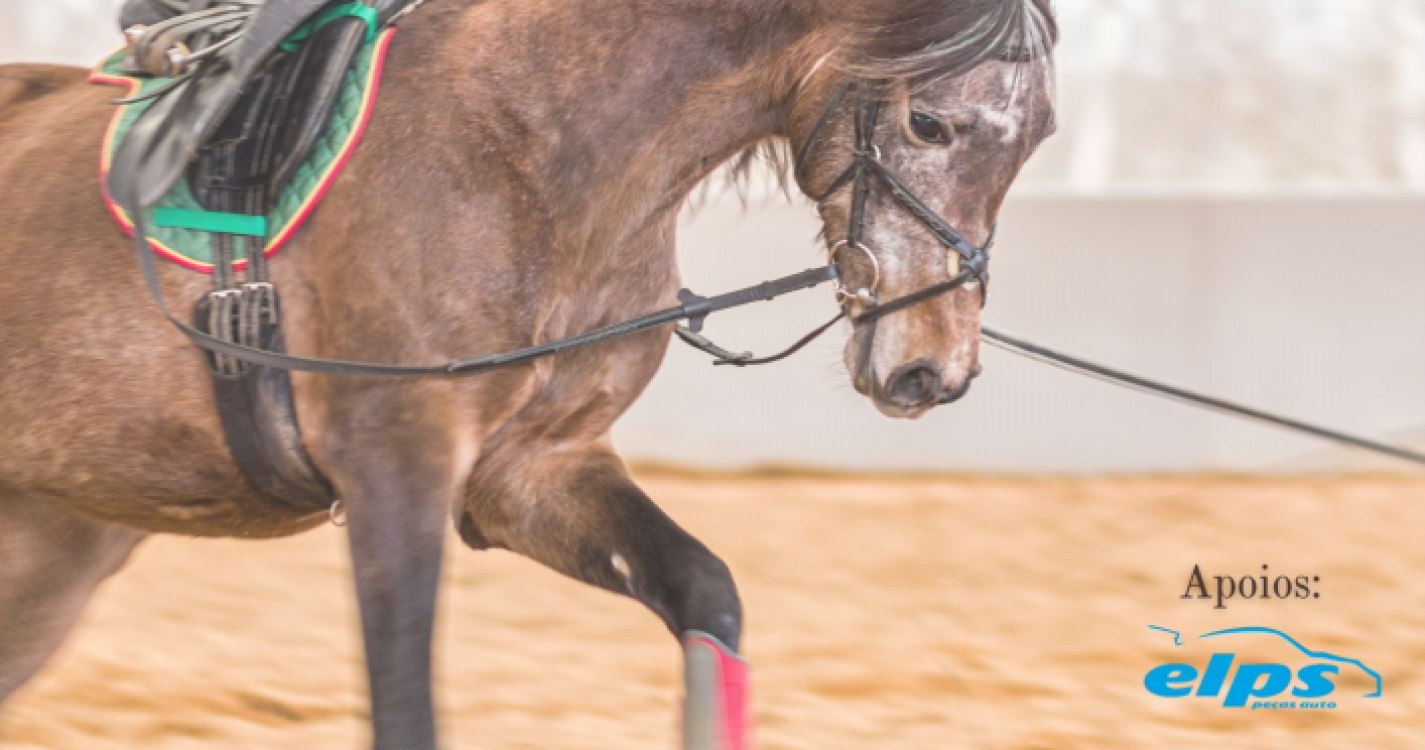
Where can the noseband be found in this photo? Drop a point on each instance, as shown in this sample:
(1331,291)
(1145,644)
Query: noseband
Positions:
(867,164)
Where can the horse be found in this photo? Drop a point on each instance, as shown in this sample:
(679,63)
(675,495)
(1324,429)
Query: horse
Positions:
(519,182)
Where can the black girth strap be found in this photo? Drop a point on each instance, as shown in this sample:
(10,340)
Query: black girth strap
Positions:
(270,130)
(236,121)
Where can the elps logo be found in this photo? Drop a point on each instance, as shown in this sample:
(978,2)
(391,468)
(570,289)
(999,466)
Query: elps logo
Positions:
(1262,684)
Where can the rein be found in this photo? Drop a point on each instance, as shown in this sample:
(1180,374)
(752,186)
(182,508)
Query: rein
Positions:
(693,308)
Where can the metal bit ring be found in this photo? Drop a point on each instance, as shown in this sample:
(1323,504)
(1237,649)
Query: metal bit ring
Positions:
(864,295)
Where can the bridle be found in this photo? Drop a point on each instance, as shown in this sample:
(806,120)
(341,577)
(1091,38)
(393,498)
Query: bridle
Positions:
(866,165)
(694,309)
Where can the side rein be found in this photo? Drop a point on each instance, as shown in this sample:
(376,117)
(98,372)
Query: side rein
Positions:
(693,308)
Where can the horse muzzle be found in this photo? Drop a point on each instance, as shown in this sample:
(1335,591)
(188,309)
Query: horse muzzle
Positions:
(914,388)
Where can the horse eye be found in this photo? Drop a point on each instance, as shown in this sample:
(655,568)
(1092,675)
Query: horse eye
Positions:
(928,128)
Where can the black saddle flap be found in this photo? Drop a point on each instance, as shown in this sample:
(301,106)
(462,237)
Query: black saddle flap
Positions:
(162,141)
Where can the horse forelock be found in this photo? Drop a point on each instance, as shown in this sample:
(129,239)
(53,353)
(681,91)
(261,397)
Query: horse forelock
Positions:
(918,42)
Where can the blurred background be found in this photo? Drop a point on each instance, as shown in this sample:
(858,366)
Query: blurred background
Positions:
(1209,97)
(1233,202)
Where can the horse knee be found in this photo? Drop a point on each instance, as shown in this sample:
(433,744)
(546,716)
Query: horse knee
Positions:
(593,523)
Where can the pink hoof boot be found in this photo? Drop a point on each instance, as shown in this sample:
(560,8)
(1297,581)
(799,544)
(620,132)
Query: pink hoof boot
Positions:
(719,685)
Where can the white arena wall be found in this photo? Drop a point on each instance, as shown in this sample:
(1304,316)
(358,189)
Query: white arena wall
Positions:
(1312,305)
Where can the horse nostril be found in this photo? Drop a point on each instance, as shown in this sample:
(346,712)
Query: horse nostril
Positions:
(915,384)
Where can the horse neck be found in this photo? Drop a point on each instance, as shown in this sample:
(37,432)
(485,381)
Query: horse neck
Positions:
(616,109)
(527,160)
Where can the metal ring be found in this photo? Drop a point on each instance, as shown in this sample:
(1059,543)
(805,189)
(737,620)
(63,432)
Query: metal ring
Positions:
(869,298)
(337,515)
(177,58)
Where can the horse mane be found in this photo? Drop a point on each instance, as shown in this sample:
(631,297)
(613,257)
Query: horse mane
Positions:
(919,42)
(923,41)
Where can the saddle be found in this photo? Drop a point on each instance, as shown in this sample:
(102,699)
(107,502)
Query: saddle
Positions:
(247,89)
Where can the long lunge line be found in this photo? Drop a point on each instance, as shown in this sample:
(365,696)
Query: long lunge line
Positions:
(1038,353)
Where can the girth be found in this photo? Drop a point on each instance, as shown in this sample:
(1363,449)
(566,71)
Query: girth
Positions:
(267,135)
(253,87)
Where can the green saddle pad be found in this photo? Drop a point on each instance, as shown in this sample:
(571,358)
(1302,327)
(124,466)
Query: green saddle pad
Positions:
(193,248)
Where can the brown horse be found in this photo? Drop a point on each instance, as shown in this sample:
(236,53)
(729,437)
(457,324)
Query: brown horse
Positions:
(519,183)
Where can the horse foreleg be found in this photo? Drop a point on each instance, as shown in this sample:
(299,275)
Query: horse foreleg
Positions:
(592,523)
(50,563)
(397,515)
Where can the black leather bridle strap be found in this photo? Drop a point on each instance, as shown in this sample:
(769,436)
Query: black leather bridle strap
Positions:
(976,259)
(851,173)
(724,357)
(694,308)
(868,113)
(821,123)
(910,300)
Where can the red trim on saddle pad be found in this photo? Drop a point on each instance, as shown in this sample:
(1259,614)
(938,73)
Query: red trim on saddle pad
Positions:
(309,205)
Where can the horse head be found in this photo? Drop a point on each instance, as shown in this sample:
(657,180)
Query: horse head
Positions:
(908,137)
